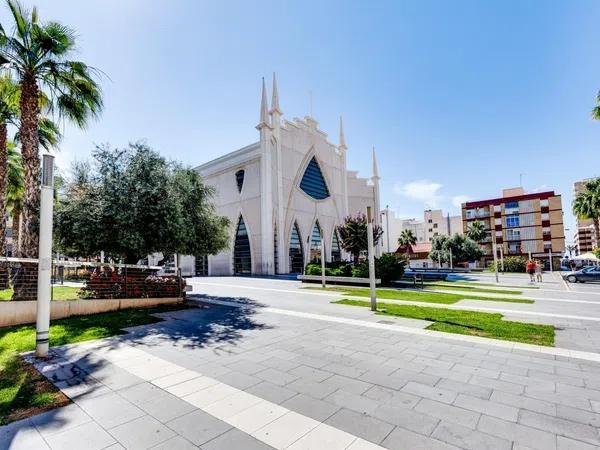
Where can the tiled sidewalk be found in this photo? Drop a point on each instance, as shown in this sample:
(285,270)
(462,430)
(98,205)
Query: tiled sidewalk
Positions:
(227,379)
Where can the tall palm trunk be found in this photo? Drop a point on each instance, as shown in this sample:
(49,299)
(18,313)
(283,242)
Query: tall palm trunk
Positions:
(17,229)
(26,278)
(4,271)
(597,230)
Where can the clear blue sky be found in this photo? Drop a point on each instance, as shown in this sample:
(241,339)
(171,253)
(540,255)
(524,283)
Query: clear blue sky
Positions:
(459,98)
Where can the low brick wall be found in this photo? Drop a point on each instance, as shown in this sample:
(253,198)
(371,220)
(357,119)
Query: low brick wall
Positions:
(20,313)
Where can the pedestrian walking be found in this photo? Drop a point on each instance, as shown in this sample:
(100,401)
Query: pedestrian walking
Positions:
(531,270)
(538,271)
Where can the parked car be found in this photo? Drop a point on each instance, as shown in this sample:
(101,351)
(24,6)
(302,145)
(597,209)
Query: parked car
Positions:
(587,274)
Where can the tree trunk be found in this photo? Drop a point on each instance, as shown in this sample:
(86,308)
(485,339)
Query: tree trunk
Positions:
(17,229)
(26,278)
(4,269)
(597,231)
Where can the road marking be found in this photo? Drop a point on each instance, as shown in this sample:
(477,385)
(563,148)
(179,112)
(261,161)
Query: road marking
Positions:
(431,333)
(340,294)
(267,422)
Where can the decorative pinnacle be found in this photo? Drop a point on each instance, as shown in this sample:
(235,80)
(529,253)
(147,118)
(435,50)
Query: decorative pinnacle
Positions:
(375,171)
(342,144)
(275,97)
(264,109)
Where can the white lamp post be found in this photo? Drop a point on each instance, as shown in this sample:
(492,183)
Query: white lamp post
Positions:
(371,256)
(44,285)
(323,285)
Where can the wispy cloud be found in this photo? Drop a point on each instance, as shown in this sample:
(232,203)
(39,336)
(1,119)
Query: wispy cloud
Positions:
(425,191)
(458,200)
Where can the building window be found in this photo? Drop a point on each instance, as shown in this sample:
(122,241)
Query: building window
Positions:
(296,254)
(315,243)
(435,225)
(544,202)
(201,266)
(513,235)
(545,216)
(512,221)
(313,183)
(431,230)
(242,257)
(336,252)
(546,231)
(470,213)
(511,207)
(429,221)
(239,178)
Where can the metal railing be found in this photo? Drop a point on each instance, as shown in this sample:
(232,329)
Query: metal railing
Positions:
(73,280)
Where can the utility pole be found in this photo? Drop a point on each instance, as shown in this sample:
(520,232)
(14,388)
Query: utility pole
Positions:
(387,225)
(44,282)
(371,256)
(451,265)
(502,258)
(550,257)
(495,250)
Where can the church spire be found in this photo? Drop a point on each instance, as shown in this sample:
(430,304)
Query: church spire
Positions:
(264,109)
(275,97)
(375,171)
(342,144)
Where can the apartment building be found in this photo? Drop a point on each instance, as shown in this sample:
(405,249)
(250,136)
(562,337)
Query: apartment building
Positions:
(522,224)
(434,223)
(585,236)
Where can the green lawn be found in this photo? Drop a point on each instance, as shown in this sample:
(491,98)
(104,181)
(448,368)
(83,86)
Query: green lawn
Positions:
(467,322)
(23,391)
(442,285)
(59,293)
(414,296)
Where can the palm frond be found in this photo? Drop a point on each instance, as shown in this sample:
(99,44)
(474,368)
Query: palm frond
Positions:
(595,114)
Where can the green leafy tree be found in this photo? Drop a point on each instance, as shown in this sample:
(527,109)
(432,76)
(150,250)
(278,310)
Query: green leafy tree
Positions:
(571,249)
(406,240)
(476,231)
(462,247)
(38,55)
(596,252)
(132,202)
(353,235)
(587,204)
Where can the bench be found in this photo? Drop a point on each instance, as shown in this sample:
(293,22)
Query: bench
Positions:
(337,280)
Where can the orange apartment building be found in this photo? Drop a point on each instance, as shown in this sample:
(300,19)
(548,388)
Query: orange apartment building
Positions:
(521,223)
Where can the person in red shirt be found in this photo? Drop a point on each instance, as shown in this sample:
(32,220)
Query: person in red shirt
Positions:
(531,270)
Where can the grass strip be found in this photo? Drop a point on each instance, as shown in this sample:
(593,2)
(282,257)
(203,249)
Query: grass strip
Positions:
(474,323)
(415,296)
(59,293)
(23,390)
(461,287)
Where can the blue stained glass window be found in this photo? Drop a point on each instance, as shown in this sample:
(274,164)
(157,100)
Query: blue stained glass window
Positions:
(242,258)
(296,254)
(313,183)
(336,252)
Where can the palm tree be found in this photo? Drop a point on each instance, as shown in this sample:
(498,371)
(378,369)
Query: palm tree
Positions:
(587,205)
(9,102)
(14,195)
(476,231)
(38,54)
(596,110)
(406,240)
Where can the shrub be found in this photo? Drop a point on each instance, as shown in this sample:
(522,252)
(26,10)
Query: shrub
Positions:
(389,267)
(107,282)
(333,269)
(511,264)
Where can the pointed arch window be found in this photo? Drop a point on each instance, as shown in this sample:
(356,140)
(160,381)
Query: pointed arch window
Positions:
(239,178)
(312,183)
(315,243)
(242,257)
(296,254)
(336,251)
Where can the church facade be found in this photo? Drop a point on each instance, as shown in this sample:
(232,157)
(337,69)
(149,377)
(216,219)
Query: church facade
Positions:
(282,194)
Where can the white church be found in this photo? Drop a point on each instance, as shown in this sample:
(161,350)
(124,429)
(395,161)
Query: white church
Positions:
(281,194)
